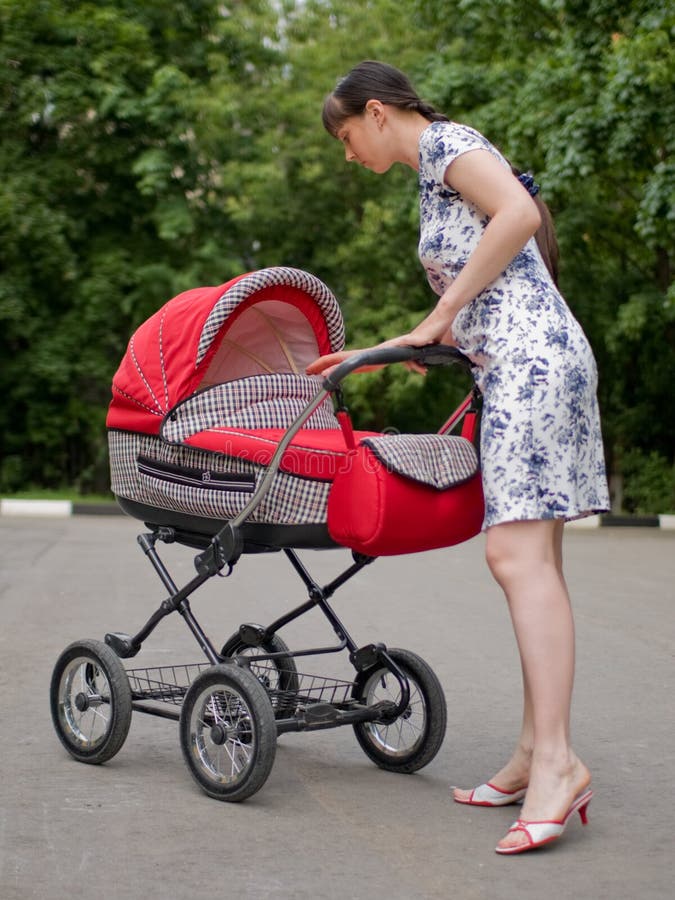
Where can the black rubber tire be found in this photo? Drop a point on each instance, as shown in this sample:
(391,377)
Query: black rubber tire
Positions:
(90,701)
(413,739)
(227,724)
(282,684)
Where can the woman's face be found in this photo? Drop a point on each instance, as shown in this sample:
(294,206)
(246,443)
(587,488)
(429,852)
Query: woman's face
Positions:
(364,141)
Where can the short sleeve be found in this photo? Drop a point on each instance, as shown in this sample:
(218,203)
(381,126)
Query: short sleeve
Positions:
(443,142)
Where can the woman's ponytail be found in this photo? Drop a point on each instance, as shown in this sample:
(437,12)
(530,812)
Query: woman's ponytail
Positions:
(427,110)
(545,235)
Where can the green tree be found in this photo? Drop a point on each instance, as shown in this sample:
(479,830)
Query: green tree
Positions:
(115,119)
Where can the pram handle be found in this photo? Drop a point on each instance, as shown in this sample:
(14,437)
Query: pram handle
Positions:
(431,355)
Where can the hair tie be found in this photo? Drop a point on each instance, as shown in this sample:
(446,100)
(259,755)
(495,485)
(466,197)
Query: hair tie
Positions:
(528,182)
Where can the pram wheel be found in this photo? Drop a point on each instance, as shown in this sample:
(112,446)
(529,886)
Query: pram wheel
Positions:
(415,737)
(228,732)
(278,676)
(90,701)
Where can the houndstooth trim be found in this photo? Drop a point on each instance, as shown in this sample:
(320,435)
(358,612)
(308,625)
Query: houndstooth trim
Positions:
(438,460)
(290,501)
(255,282)
(261,401)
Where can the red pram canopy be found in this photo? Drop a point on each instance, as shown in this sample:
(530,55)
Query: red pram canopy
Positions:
(273,320)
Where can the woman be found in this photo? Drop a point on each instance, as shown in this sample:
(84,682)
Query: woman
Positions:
(541,444)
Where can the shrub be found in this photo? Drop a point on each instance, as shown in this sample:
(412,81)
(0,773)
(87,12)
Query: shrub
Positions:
(649,483)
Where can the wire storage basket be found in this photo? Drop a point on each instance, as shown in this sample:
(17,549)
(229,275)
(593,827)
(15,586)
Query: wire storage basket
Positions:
(169,684)
(164,684)
(306,691)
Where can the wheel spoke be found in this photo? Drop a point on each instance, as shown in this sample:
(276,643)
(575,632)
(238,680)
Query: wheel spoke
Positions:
(98,714)
(234,768)
(214,711)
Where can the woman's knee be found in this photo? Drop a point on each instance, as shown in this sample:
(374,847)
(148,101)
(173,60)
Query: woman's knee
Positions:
(515,549)
(499,557)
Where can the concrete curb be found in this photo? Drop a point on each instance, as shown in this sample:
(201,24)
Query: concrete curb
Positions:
(65,508)
(664,522)
(56,508)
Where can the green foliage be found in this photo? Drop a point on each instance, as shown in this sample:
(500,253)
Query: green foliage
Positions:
(649,483)
(110,201)
(148,148)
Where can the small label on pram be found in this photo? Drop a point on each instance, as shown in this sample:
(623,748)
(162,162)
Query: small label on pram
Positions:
(187,476)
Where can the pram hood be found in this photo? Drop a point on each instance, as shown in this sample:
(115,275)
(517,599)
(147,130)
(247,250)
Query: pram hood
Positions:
(270,321)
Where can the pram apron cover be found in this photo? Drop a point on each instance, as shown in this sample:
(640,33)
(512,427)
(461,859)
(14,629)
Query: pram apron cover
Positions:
(407,493)
(208,387)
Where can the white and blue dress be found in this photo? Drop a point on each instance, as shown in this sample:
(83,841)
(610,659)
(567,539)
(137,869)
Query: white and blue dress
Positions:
(541,444)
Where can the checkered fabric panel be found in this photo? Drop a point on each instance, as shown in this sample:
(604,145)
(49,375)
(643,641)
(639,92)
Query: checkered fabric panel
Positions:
(261,401)
(298,501)
(290,501)
(256,281)
(438,460)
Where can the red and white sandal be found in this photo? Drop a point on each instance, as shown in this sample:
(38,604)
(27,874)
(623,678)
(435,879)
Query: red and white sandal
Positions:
(540,833)
(490,795)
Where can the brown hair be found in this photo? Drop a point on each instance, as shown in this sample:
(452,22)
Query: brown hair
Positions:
(546,239)
(371,80)
(545,235)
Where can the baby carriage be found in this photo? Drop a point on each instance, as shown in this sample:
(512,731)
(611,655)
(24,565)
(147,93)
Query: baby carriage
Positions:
(219,442)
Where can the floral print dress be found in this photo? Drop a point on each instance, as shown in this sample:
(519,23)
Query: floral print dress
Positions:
(541,444)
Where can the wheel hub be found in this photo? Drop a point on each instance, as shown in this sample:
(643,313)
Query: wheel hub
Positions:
(219,735)
(82,702)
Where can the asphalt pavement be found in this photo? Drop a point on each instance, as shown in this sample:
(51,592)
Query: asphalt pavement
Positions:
(328,823)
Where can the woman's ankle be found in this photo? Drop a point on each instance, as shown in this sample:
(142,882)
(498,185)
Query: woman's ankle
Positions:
(560,759)
(516,773)
(564,771)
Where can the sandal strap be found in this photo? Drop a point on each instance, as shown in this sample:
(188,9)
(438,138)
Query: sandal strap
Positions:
(520,825)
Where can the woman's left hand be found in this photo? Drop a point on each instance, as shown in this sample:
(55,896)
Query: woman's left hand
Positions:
(436,328)
(324,365)
(407,340)
(432,330)
(425,334)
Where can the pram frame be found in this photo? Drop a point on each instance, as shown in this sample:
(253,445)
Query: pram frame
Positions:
(224,549)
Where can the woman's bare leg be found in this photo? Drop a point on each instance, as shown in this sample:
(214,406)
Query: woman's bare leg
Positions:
(516,773)
(526,560)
